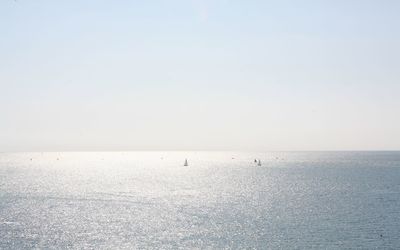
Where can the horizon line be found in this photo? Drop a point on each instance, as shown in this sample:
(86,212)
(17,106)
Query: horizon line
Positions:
(196,150)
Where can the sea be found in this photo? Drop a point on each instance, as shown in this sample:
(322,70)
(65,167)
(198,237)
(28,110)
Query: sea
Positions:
(221,200)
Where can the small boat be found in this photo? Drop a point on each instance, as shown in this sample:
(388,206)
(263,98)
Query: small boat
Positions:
(186,163)
(259,162)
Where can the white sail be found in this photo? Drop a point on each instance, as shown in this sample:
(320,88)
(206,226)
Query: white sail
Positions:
(186,163)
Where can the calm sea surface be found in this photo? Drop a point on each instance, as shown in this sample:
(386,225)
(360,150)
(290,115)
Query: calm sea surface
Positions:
(136,200)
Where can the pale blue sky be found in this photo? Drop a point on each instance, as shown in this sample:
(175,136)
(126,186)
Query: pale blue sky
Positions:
(199,74)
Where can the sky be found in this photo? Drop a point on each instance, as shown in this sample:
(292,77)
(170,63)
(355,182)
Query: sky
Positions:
(199,75)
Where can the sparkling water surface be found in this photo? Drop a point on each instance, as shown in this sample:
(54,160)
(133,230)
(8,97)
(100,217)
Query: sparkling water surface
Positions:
(136,200)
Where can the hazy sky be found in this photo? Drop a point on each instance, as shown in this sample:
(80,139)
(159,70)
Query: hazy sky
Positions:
(199,74)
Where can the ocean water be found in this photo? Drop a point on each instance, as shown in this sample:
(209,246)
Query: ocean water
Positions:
(222,200)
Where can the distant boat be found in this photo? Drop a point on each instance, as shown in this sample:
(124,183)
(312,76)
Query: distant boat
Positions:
(186,163)
(259,162)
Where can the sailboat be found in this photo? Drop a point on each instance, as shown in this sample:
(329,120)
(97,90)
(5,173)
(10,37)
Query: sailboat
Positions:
(186,163)
(259,162)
